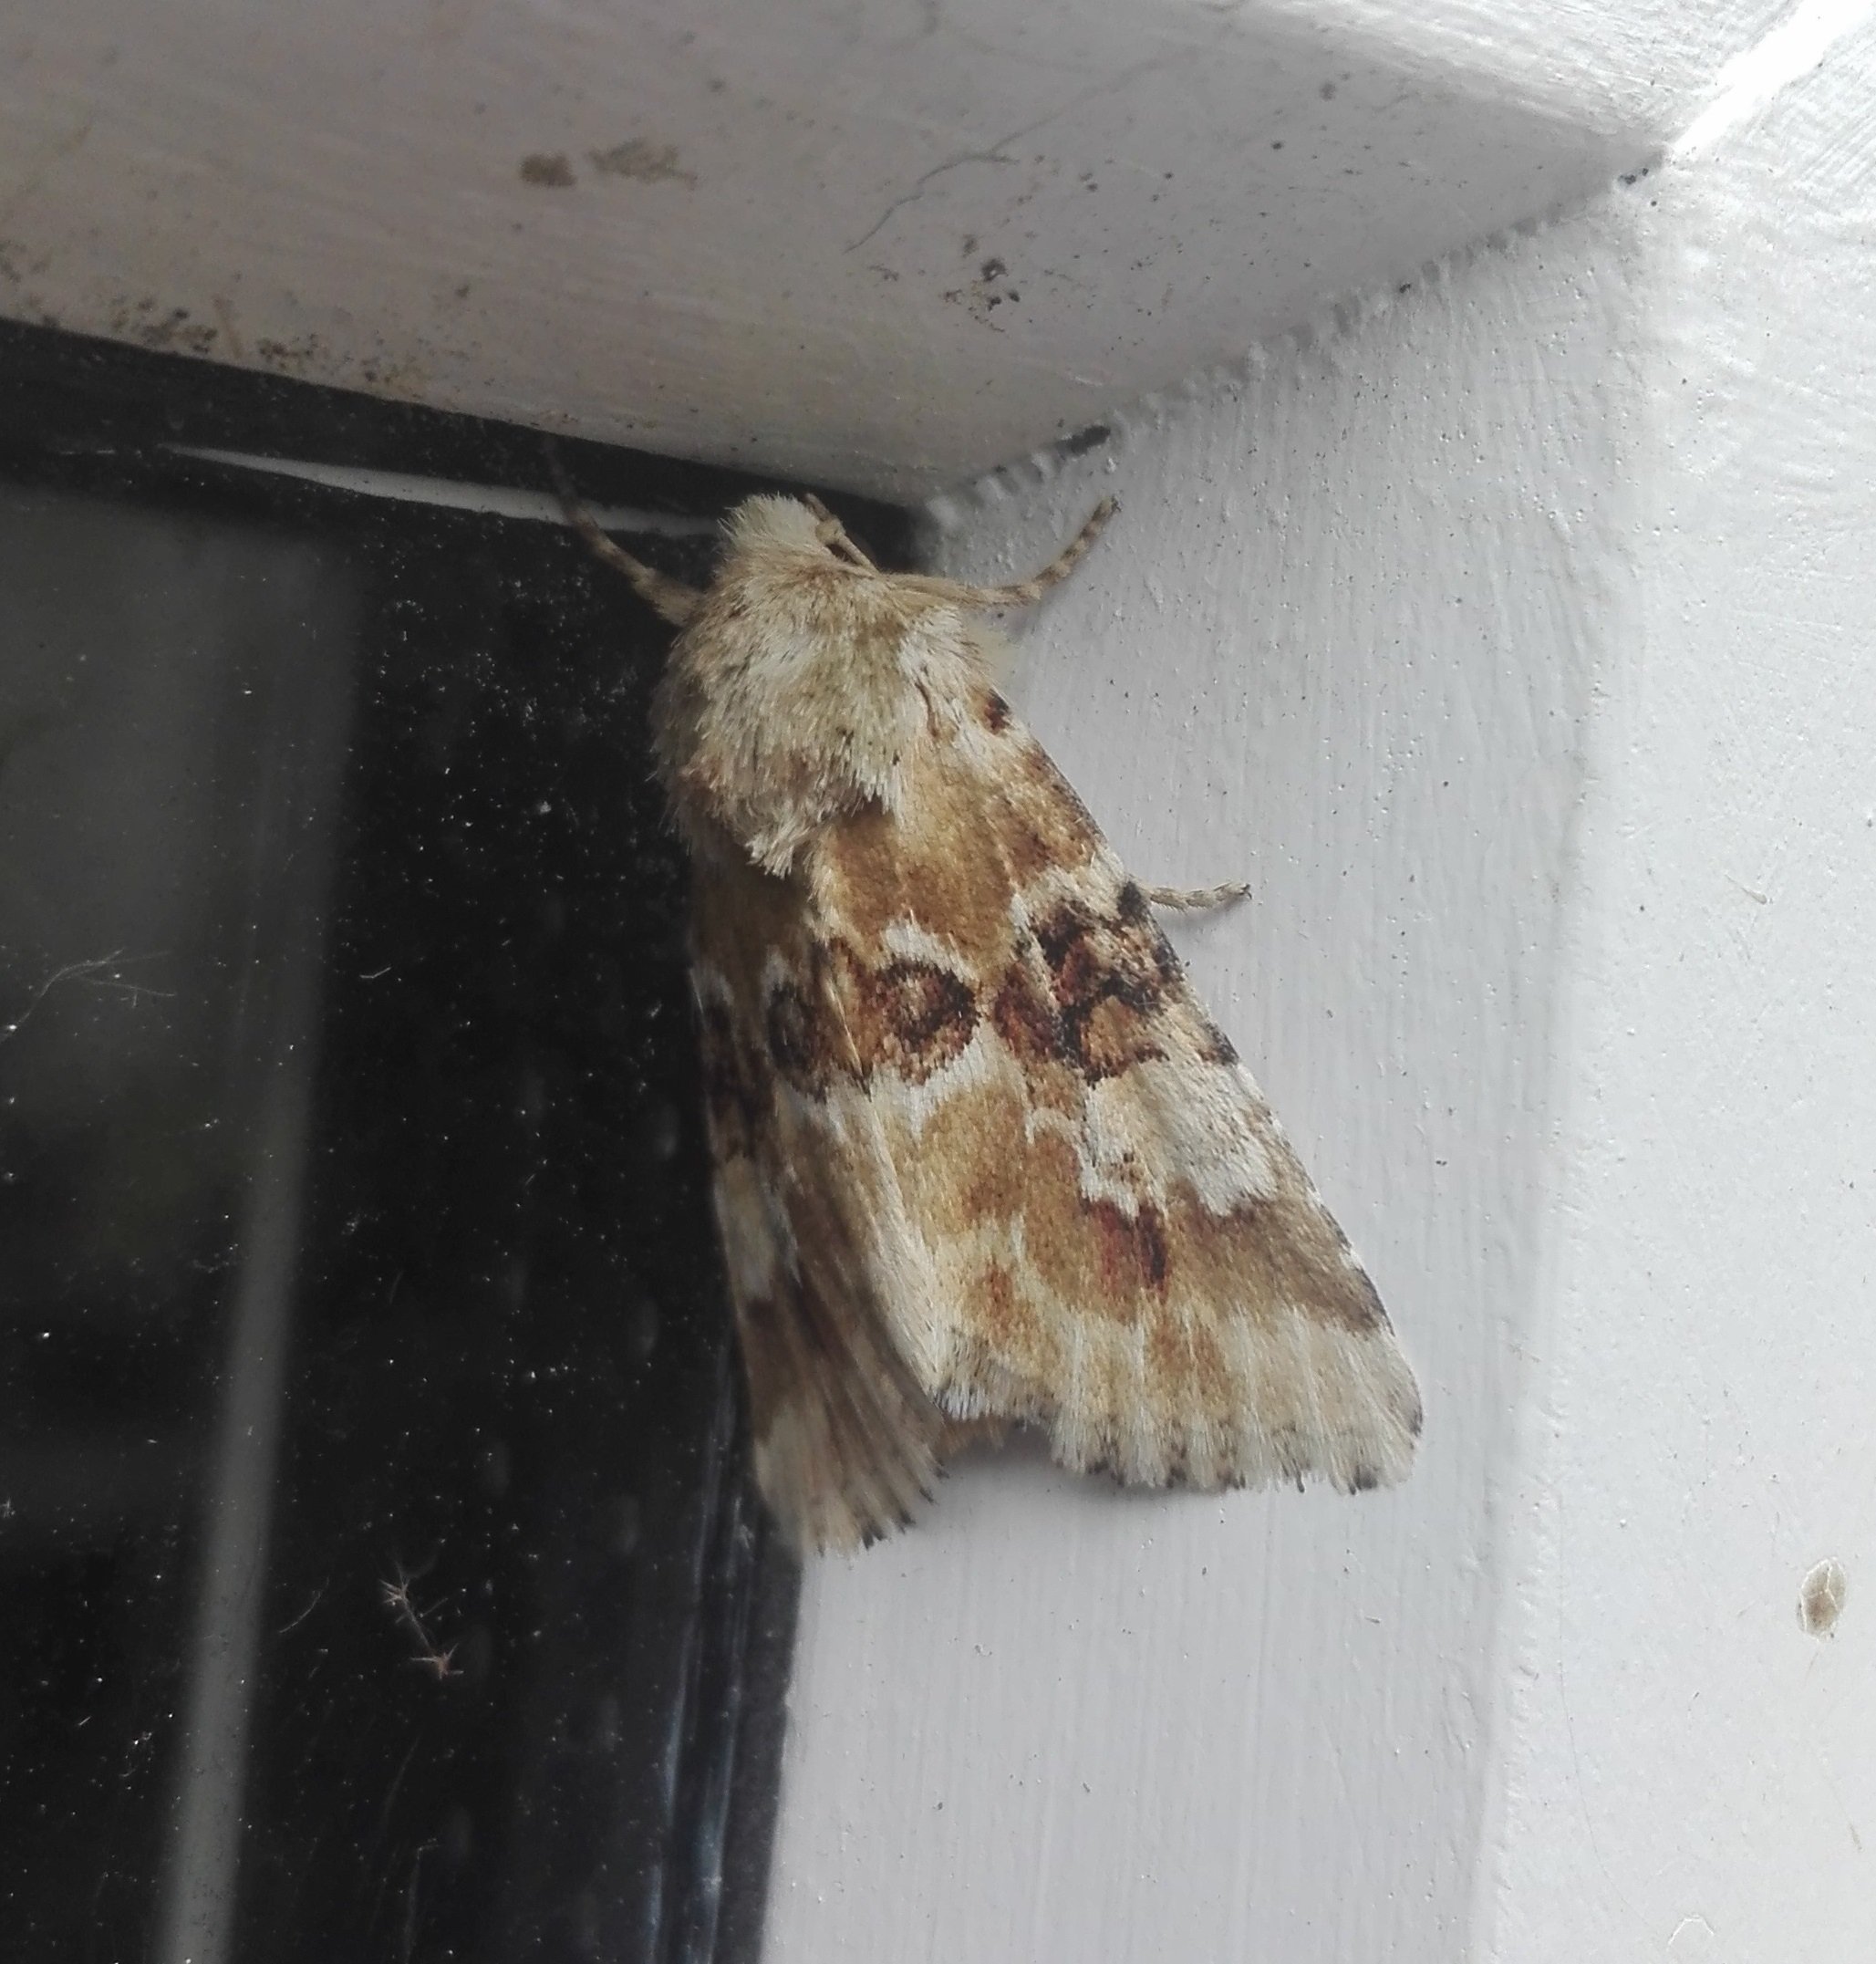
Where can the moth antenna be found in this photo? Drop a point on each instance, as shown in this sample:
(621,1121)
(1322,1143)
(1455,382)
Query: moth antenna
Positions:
(1021,592)
(669,598)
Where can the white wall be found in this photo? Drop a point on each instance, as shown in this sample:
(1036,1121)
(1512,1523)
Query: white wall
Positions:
(1687,1774)
(1509,634)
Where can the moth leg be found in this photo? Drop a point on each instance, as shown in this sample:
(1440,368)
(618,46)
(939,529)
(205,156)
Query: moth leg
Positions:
(1023,592)
(835,536)
(1187,899)
(669,598)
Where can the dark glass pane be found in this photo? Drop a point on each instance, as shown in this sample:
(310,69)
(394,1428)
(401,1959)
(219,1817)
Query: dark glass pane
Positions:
(378,1573)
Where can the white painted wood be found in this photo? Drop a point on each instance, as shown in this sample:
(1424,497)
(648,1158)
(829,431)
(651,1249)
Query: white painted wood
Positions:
(1511,635)
(771,235)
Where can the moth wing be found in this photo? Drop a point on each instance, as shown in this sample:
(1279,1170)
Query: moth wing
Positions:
(845,1440)
(1100,1227)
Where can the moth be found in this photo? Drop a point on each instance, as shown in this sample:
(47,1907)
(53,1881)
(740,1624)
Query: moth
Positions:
(981,1155)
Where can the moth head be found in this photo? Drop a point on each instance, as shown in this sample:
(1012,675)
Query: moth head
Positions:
(765,524)
(796,690)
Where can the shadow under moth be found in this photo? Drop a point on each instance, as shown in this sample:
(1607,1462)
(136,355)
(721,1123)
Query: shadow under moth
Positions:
(980,1155)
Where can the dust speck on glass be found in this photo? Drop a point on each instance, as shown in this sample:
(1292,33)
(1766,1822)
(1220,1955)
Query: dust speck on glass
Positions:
(381,1577)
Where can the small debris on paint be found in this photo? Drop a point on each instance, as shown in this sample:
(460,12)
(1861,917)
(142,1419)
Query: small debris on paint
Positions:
(552,170)
(1821,1598)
